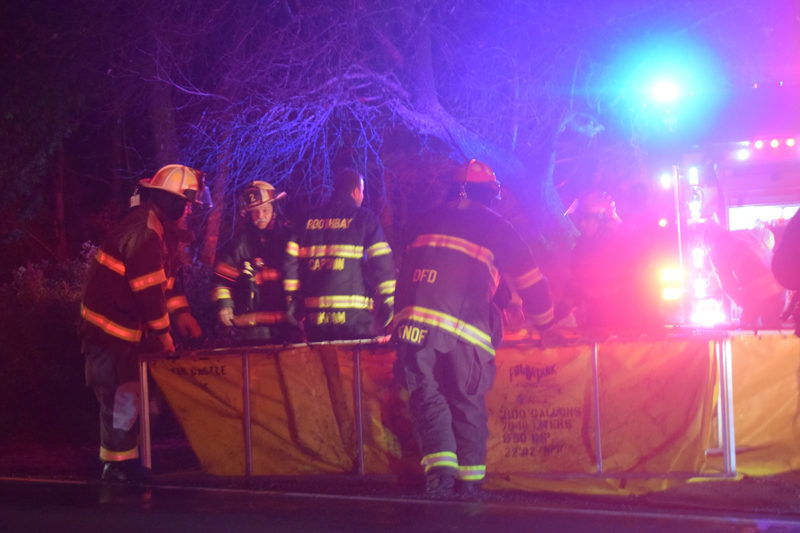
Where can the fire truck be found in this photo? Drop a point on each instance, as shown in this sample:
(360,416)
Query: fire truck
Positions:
(750,188)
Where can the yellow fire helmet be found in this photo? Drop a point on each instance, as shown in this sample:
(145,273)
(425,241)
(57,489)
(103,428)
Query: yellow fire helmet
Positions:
(598,204)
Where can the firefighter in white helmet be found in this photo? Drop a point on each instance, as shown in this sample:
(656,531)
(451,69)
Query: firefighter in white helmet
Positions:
(132,304)
(612,285)
(448,326)
(248,277)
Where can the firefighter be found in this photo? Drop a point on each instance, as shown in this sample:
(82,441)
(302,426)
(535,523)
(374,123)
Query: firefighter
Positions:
(609,287)
(447,325)
(786,267)
(248,278)
(340,275)
(741,261)
(132,304)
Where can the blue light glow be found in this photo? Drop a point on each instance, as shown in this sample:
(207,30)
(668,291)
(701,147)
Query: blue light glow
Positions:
(666,91)
(676,84)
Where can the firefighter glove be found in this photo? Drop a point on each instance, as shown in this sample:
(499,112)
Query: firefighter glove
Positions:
(248,271)
(226,316)
(385,313)
(187,326)
(167,345)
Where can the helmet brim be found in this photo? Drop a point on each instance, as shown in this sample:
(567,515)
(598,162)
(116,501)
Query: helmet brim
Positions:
(277,197)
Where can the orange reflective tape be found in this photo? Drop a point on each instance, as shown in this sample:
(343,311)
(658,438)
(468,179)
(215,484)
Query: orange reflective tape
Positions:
(267,274)
(226,271)
(259,318)
(159,323)
(148,280)
(177,302)
(110,262)
(110,327)
(108,455)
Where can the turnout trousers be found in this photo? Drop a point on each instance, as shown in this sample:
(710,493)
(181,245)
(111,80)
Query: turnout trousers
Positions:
(112,373)
(447,393)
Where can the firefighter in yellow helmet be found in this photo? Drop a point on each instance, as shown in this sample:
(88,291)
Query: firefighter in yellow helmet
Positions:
(447,325)
(248,277)
(132,304)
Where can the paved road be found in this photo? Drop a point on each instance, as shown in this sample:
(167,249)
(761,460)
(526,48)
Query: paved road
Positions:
(64,506)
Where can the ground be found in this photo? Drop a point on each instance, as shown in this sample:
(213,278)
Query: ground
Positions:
(175,463)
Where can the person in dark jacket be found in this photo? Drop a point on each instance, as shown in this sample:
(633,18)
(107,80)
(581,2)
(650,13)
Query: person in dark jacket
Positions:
(248,277)
(447,325)
(132,304)
(786,267)
(741,262)
(339,267)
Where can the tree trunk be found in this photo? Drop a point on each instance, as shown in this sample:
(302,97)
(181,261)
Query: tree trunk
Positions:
(162,116)
(60,218)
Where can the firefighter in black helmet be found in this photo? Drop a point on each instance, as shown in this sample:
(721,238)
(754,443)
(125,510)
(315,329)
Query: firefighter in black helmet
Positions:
(339,267)
(447,325)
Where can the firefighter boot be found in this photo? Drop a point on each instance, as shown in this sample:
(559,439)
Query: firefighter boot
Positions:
(125,472)
(470,491)
(439,482)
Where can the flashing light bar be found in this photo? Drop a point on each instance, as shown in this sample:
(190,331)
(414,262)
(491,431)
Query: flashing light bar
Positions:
(700,288)
(671,293)
(693,176)
(775,143)
(695,208)
(671,274)
(698,257)
(708,313)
